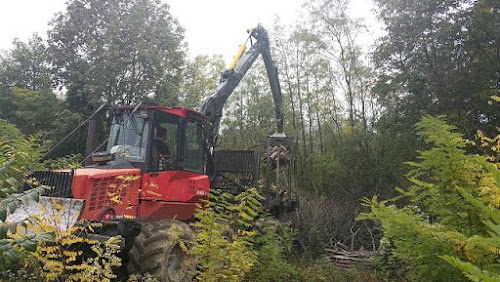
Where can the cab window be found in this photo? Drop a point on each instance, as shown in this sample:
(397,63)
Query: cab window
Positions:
(164,142)
(128,138)
(193,150)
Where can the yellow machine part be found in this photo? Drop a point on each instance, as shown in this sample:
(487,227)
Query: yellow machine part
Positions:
(241,50)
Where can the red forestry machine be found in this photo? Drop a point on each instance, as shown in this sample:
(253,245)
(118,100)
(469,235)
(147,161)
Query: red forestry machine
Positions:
(139,188)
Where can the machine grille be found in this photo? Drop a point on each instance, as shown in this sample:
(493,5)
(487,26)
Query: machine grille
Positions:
(59,181)
(236,170)
(107,192)
(237,161)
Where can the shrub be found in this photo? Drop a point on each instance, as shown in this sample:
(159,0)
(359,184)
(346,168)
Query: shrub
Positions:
(17,153)
(451,213)
(225,236)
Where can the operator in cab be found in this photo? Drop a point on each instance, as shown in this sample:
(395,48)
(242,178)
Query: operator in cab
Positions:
(160,155)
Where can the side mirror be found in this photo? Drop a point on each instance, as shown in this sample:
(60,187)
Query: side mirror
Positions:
(102,158)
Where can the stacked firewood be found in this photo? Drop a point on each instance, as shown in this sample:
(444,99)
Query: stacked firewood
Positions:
(280,152)
(344,259)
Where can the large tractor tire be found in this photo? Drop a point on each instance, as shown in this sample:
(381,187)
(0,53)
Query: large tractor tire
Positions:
(161,250)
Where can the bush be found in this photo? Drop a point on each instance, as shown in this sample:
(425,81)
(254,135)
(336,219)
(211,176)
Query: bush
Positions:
(225,236)
(274,245)
(451,224)
(17,153)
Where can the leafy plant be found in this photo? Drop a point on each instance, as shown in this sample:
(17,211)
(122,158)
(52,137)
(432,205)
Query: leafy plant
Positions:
(225,236)
(451,213)
(16,154)
(73,256)
(73,161)
(274,244)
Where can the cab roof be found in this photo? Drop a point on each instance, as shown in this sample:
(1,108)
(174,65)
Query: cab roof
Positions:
(178,111)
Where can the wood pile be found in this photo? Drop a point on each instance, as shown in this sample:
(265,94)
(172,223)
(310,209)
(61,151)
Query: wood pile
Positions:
(344,259)
(280,151)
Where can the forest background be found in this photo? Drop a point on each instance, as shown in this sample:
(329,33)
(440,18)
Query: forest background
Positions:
(352,110)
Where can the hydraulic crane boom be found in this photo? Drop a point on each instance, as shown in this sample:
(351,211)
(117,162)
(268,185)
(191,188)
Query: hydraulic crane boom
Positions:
(230,78)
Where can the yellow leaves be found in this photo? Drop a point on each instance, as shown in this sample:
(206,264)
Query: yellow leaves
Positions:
(152,193)
(61,259)
(97,251)
(495,201)
(51,249)
(79,267)
(92,242)
(115,198)
(58,206)
(495,251)
(494,99)
(118,189)
(70,256)
(68,241)
(248,233)
(490,143)
(113,241)
(128,178)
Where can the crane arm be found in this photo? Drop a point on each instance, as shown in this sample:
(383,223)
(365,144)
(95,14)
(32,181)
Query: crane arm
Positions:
(230,78)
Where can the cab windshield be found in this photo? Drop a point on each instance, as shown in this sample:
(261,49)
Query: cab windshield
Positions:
(128,137)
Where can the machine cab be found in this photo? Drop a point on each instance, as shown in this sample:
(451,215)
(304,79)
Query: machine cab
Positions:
(168,147)
(159,139)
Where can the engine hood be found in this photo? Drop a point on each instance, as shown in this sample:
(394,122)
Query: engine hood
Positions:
(86,178)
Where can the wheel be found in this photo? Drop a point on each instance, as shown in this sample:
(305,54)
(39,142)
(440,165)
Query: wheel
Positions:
(160,249)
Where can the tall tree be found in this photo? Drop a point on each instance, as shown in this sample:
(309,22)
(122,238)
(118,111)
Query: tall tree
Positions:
(26,65)
(440,57)
(338,32)
(27,100)
(201,77)
(118,51)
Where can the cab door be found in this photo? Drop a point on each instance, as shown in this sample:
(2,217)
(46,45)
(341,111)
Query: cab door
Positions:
(181,178)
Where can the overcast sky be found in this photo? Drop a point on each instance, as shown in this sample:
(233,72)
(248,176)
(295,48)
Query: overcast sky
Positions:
(212,26)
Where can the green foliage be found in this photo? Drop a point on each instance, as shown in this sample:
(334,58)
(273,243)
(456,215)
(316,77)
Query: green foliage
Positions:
(22,274)
(225,239)
(18,151)
(6,101)
(440,172)
(42,111)
(36,111)
(435,59)
(142,278)
(138,50)
(13,249)
(452,213)
(273,248)
(16,155)
(471,271)
(65,162)
(233,246)
(414,243)
(201,76)
(321,270)
(26,65)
